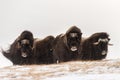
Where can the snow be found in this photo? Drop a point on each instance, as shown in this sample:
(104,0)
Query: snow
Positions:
(4,61)
(88,77)
(108,69)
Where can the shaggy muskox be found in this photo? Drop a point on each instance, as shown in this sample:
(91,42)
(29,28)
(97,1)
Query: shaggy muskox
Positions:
(67,46)
(43,50)
(95,47)
(20,51)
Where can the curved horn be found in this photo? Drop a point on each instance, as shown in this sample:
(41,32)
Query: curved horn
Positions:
(101,40)
(96,43)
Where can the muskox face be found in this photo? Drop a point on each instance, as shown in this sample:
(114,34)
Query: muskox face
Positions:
(95,47)
(103,44)
(102,41)
(73,41)
(25,48)
(25,43)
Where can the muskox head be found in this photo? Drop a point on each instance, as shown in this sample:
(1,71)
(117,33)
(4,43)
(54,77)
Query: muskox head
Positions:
(101,40)
(67,46)
(73,38)
(25,43)
(95,47)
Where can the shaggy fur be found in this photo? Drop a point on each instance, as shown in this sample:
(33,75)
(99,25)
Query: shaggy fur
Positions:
(95,47)
(67,46)
(20,51)
(43,50)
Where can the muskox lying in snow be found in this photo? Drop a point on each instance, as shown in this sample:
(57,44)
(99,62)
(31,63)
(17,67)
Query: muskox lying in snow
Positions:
(20,51)
(43,50)
(67,46)
(95,47)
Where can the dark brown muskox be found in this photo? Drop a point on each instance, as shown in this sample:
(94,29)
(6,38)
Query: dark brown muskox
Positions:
(67,46)
(95,47)
(20,51)
(43,50)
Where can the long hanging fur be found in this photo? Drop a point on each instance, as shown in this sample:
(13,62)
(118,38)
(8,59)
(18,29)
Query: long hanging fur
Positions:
(67,46)
(43,50)
(20,51)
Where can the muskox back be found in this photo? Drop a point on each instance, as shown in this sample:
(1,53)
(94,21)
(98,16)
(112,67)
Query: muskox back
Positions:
(43,50)
(95,47)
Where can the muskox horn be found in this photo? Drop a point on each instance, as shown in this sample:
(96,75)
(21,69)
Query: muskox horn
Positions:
(96,43)
(105,40)
(101,40)
(110,44)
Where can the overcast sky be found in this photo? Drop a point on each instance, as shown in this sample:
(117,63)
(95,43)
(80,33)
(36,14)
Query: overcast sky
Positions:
(52,17)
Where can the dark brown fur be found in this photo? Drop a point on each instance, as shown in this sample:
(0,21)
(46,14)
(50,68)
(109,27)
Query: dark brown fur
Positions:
(43,50)
(23,44)
(62,49)
(92,50)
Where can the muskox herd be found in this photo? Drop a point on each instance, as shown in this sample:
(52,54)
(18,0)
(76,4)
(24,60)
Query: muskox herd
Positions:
(26,49)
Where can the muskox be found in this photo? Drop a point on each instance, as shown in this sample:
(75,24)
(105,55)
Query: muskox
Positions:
(95,47)
(67,46)
(20,51)
(43,50)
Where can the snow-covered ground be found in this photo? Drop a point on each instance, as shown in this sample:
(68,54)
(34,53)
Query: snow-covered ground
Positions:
(74,70)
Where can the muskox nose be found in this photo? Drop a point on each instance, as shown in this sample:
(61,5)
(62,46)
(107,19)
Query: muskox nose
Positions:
(24,54)
(73,48)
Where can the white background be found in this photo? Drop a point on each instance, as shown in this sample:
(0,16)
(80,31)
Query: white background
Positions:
(53,17)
